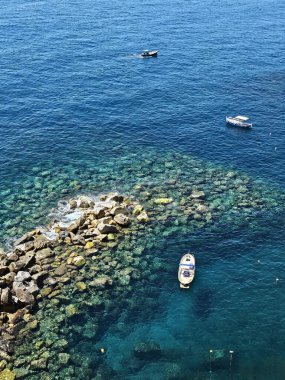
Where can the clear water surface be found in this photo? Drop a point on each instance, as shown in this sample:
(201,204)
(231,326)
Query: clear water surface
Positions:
(75,95)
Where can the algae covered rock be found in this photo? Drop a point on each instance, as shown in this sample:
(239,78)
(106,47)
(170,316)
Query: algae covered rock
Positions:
(163,201)
(101,282)
(81,286)
(7,374)
(137,209)
(143,217)
(63,358)
(78,261)
(89,245)
(71,310)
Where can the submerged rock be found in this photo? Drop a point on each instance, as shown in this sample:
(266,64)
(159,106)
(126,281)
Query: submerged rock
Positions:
(78,261)
(7,374)
(71,310)
(147,350)
(163,201)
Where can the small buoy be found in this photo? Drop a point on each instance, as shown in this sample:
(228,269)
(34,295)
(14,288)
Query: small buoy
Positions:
(102,350)
(270,134)
(275,148)
(258,261)
(211,351)
(277,280)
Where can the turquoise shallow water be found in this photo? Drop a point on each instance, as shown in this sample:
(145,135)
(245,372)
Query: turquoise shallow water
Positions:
(77,108)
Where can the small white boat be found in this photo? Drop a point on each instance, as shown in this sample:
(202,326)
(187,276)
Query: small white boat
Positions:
(238,121)
(186,271)
(149,53)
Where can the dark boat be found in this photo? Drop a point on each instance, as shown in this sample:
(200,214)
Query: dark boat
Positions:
(149,53)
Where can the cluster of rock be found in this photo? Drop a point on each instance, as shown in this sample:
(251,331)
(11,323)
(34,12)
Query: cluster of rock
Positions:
(29,271)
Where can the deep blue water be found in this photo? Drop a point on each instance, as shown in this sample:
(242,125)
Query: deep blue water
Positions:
(74,93)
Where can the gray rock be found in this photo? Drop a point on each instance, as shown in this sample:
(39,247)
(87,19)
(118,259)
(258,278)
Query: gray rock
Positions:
(6,297)
(22,294)
(100,212)
(115,197)
(40,276)
(32,288)
(119,210)
(72,204)
(25,247)
(61,270)
(9,277)
(12,256)
(26,237)
(41,242)
(44,254)
(106,228)
(122,220)
(22,277)
(78,239)
(24,262)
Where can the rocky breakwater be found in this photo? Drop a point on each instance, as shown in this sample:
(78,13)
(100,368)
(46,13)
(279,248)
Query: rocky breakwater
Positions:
(43,260)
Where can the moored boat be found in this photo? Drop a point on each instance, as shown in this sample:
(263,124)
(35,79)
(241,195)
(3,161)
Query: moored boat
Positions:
(149,53)
(186,271)
(238,121)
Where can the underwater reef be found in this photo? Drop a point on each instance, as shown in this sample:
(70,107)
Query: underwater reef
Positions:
(69,280)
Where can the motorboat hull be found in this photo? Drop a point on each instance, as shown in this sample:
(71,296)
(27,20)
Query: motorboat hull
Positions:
(237,123)
(150,54)
(186,270)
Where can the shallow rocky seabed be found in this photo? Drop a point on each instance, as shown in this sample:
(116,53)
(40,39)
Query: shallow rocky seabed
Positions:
(181,195)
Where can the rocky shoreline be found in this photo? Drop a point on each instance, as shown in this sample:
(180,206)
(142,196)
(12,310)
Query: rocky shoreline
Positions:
(67,282)
(44,260)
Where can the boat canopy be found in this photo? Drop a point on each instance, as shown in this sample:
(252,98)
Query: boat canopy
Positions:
(243,118)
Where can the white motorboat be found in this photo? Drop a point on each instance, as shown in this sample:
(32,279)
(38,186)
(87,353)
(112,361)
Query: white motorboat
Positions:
(186,271)
(149,53)
(238,121)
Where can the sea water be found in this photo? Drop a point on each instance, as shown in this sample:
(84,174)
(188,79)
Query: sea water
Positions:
(80,111)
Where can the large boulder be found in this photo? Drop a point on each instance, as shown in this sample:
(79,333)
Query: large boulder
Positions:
(23,263)
(26,237)
(22,294)
(106,228)
(85,202)
(116,197)
(44,254)
(24,247)
(40,242)
(119,210)
(122,220)
(22,277)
